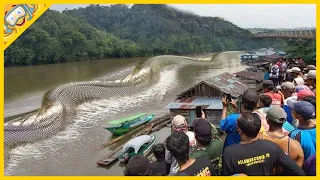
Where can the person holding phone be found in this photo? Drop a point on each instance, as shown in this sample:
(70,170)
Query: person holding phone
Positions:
(202,116)
(228,124)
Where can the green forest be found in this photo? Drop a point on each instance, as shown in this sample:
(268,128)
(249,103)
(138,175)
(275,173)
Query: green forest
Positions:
(306,49)
(98,32)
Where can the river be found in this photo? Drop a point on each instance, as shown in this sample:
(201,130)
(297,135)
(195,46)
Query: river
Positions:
(73,150)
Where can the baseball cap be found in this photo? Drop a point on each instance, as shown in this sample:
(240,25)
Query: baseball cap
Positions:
(304,93)
(290,101)
(266,84)
(305,109)
(289,71)
(276,114)
(179,122)
(250,97)
(295,69)
(202,129)
(287,85)
(311,67)
(138,165)
(312,74)
(302,87)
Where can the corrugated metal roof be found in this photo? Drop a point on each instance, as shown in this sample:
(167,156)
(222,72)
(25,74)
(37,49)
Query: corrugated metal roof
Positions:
(259,63)
(272,56)
(228,84)
(192,103)
(258,76)
(225,83)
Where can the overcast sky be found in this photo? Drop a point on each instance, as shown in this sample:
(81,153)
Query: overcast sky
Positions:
(247,16)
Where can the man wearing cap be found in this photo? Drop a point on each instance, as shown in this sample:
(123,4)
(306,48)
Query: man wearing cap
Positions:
(288,90)
(303,94)
(268,89)
(298,80)
(253,156)
(289,76)
(311,80)
(206,146)
(229,124)
(305,134)
(138,165)
(179,124)
(276,117)
(200,117)
(308,68)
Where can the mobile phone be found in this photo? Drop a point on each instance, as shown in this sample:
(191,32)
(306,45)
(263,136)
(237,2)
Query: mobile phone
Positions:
(229,98)
(198,111)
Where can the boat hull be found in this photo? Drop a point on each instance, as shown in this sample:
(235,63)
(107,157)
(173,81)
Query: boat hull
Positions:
(125,128)
(144,150)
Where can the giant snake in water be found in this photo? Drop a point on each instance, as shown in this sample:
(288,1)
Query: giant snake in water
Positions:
(58,104)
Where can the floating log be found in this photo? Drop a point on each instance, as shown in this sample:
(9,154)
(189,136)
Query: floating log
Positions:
(110,158)
(160,126)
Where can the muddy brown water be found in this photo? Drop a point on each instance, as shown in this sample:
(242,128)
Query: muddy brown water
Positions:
(74,150)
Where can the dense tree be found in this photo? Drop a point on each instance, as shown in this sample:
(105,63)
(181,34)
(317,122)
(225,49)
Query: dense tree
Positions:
(97,32)
(306,49)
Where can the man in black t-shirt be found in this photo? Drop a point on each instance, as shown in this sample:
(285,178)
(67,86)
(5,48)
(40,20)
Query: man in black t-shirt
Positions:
(255,157)
(178,145)
(160,166)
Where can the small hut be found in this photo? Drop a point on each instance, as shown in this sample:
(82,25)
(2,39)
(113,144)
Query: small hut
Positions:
(208,94)
(252,79)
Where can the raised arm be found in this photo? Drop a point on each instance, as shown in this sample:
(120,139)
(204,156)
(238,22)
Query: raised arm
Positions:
(224,108)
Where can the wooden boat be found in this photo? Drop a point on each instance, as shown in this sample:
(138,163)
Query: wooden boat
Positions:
(124,125)
(138,145)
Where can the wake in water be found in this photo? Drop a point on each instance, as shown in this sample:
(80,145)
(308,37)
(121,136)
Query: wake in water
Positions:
(59,104)
(91,115)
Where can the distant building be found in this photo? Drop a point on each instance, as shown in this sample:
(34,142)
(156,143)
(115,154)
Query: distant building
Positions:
(208,94)
(252,79)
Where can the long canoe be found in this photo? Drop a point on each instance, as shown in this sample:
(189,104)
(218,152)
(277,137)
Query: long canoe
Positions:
(127,126)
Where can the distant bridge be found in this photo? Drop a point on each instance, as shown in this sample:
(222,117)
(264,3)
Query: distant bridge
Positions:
(296,34)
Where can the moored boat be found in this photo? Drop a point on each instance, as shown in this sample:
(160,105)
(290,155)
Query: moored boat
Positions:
(124,125)
(138,145)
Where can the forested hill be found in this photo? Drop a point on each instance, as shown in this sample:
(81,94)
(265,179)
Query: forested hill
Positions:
(97,32)
(162,29)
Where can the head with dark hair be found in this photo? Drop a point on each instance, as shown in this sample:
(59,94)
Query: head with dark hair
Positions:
(204,141)
(202,130)
(159,151)
(264,101)
(178,144)
(138,165)
(249,124)
(249,100)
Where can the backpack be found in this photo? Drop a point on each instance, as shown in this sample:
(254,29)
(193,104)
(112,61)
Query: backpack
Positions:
(274,70)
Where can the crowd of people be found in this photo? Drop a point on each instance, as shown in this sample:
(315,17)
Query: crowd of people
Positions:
(273,132)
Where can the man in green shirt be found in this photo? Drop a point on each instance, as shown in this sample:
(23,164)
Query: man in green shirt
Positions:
(206,146)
